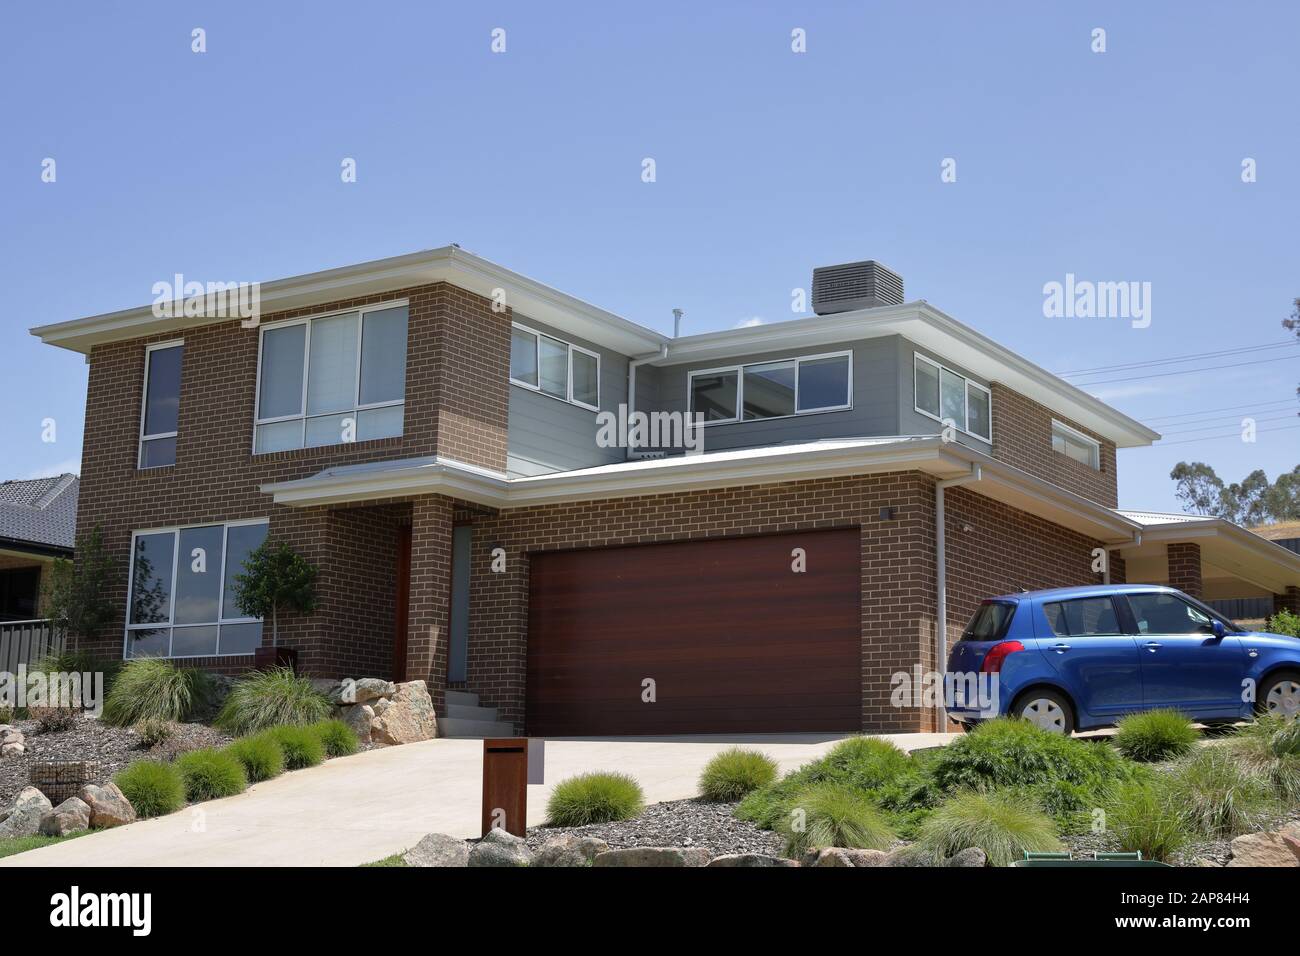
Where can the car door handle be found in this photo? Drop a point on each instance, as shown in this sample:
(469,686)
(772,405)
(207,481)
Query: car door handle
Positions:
(1153,646)
(1060,648)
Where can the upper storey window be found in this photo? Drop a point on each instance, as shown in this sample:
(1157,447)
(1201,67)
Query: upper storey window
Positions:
(162,403)
(945,395)
(332,379)
(798,386)
(553,367)
(1075,444)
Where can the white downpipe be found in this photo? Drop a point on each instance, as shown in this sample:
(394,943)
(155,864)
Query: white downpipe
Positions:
(632,366)
(941,575)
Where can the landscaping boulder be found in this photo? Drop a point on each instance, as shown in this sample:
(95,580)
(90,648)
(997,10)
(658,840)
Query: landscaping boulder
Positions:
(108,805)
(363,690)
(567,849)
(24,817)
(968,858)
(499,848)
(830,856)
(750,859)
(359,717)
(908,856)
(12,742)
(70,816)
(1266,849)
(408,718)
(655,856)
(12,750)
(438,849)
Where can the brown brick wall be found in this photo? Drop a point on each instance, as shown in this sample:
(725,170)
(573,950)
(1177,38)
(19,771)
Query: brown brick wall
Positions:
(1004,551)
(457,375)
(1184,567)
(1022,436)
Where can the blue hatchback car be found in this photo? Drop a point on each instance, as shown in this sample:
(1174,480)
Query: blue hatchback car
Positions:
(1077,658)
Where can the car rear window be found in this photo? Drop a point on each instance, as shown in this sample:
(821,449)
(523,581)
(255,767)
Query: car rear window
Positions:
(990,621)
(1082,617)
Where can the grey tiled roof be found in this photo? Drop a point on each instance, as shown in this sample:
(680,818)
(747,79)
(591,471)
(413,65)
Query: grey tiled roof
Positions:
(41,511)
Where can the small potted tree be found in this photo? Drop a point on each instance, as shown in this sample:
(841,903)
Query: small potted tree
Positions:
(275,577)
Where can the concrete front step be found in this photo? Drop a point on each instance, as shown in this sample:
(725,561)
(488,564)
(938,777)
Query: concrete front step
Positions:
(461,698)
(461,712)
(460,727)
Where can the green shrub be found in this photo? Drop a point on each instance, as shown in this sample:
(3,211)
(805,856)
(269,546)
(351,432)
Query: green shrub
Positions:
(153,788)
(260,755)
(1155,735)
(338,739)
(1219,796)
(1015,753)
(734,773)
(272,698)
(832,814)
(1144,816)
(1003,823)
(1270,748)
(594,798)
(1284,622)
(300,745)
(154,688)
(209,774)
(153,731)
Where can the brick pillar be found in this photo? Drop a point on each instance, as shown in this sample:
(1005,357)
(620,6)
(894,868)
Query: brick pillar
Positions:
(1118,568)
(1290,601)
(430,594)
(1184,567)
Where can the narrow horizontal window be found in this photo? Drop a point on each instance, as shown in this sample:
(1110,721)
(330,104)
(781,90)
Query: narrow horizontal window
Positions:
(779,389)
(1075,445)
(162,400)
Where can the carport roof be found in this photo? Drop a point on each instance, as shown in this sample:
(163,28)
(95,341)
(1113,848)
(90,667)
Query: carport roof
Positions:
(1225,546)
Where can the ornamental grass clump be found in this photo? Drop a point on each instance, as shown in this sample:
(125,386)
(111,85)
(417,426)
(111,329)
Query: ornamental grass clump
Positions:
(209,774)
(1155,735)
(833,815)
(1005,824)
(594,798)
(272,698)
(153,688)
(261,756)
(338,739)
(1220,797)
(301,746)
(735,773)
(153,788)
(1145,816)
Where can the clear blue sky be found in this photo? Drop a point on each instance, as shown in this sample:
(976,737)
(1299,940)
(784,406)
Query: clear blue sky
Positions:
(1118,166)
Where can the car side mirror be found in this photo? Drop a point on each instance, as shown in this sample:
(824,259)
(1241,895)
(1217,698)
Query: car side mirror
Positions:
(1217,628)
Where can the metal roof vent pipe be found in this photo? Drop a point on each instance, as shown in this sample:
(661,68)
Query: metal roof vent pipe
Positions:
(677,322)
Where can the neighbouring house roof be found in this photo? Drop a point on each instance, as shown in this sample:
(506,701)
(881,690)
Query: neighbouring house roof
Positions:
(919,321)
(1227,549)
(1279,531)
(40,513)
(750,466)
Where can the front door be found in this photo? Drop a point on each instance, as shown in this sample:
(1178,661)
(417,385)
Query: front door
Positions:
(1183,664)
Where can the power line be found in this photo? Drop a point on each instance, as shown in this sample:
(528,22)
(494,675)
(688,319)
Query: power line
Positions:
(1225,408)
(1186,371)
(1208,428)
(1177,358)
(1208,438)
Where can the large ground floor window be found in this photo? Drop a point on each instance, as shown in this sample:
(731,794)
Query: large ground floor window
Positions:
(182,599)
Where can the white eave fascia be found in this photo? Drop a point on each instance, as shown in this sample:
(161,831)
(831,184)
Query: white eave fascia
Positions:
(451,264)
(403,479)
(1209,527)
(926,326)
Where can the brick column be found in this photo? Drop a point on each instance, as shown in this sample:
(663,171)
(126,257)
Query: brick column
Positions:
(1290,601)
(1184,567)
(1118,568)
(430,597)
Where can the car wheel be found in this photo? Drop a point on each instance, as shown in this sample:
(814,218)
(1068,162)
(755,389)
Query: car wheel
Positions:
(1047,709)
(1280,696)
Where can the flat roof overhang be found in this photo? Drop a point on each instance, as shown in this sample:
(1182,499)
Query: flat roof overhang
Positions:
(1227,549)
(826,459)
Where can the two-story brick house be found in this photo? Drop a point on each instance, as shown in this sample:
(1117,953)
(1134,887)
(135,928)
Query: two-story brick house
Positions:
(428,430)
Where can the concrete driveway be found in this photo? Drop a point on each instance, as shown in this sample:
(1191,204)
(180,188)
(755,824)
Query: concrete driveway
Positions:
(357,809)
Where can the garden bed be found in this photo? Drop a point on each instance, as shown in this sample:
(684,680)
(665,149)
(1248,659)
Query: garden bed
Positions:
(677,823)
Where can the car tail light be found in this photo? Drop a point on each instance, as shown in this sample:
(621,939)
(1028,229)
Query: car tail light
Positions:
(997,654)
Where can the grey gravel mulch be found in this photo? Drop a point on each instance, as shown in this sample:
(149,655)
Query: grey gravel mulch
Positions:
(90,739)
(677,823)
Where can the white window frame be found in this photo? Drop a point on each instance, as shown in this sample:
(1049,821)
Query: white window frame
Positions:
(739,418)
(170,624)
(1077,436)
(144,405)
(357,406)
(567,398)
(962,426)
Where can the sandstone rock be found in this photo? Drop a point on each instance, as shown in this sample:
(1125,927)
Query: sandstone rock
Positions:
(363,690)
(831,856)
(409,716)
(381,705)
(1292,844)
(108,805)
(1266,849)
(24,817)
(970,857)
(12,750)
(12,736)
(70,816)
(653,856)
(568,849)
(360,717)
(438,849)
(750,859)
(908,856)
(499,848)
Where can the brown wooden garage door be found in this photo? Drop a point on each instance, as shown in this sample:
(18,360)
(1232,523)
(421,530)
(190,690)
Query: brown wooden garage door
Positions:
(735,641)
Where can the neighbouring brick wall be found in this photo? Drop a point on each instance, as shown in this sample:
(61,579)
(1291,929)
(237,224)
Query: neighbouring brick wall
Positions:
(1022,437)
(1005,550)
(1184,567)
(1118,569)
(1290,601)
(457,374)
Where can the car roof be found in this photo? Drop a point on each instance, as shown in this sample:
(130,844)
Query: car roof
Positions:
(1087,590)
